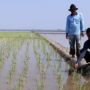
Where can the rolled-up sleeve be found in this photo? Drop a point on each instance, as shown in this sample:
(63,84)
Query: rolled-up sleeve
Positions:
(67,25)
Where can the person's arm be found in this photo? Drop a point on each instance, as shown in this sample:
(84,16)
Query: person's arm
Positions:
(82,25)
(81,57)
(67,27)
(83,52)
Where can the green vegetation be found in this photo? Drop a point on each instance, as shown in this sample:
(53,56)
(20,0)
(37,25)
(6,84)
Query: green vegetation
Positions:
(49,67)
(23,76)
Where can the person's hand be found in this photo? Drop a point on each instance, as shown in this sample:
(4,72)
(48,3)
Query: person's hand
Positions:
(66,35)
(82,34)
(76,65)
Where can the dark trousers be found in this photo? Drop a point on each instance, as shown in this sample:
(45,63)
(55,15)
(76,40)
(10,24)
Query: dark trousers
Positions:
(74,41)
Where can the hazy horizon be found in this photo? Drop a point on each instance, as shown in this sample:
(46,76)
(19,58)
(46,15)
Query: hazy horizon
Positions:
(32,29)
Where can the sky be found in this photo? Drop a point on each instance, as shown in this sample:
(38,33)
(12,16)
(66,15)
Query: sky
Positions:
(39,14)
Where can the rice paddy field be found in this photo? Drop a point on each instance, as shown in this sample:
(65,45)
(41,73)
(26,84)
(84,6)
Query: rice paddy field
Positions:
(29,62)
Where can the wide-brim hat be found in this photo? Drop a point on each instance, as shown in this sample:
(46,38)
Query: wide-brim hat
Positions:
(73,7)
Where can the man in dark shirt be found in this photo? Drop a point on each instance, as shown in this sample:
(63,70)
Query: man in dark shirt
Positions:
(85,52)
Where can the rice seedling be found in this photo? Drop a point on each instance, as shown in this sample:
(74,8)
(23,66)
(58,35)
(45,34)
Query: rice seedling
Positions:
(13,68)
(47,60)
(59,80)
(4,52)
(16,47)
(35,47)
(85,86)
(77,80)
(42,76)
(23,76)
(44,46)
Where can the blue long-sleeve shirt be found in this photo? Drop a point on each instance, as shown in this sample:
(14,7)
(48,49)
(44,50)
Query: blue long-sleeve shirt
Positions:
(74,24)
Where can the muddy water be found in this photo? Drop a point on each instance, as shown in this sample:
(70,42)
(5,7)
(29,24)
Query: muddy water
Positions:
(39,67)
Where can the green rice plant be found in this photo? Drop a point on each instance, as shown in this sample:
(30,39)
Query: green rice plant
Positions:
(8,45)
(35,47)
(77,80)
(59,75)
(23,76)
(44,46)
(13,68)
(48,57)
(59,80)
(4,52)
(16,48)
(39,62)
(86,86)
(38,43)
(1,62)
(41,78)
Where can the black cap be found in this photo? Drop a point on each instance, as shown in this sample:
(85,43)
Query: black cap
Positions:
(73,7)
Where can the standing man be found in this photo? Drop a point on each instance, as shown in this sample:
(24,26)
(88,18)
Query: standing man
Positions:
(74,30)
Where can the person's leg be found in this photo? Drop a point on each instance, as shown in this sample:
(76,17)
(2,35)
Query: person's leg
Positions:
(78,45)
(72,45)
(85,69)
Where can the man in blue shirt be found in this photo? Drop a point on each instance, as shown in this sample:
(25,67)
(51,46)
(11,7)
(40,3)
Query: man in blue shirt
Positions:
(74,30)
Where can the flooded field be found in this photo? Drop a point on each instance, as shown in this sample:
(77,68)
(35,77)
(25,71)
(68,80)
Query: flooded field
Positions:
(28,62)
(61,38)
